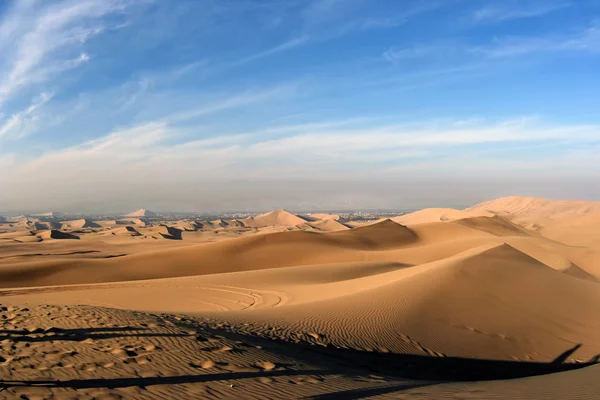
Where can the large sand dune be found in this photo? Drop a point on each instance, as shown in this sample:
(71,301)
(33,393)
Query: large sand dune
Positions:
(440,303)
(536,212)
(141,213)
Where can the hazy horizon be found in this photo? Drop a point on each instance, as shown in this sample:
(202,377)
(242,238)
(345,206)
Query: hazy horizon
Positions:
(315,196)
(205,106)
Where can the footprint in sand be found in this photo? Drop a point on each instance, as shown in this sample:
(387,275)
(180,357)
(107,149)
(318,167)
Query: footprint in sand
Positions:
(203,364)
(118,352)
(237,368)
(265,365)
(305,379)
(149,347)
(105,396)
(221,349)
(88,367)
(56,355)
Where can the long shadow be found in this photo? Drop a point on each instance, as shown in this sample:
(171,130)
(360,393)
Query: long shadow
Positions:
(113,383)
(361,393)
(422,370)
(449,368)
(79,334)
(415,366)
(73,331)
(566,354)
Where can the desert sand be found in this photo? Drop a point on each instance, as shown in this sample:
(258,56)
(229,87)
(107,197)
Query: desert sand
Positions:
(500,300)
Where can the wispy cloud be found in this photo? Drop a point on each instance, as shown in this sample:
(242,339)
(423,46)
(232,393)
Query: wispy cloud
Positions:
(418,52)
(24,122)
(147,145)
(508,10)
(327,19)
(290,44)
(234,101)
(38,44)
(585,41)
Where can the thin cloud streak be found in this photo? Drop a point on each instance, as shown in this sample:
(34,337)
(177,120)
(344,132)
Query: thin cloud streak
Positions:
(147,142)
(23,122)
(587,41)
(507,11)
(34,40)
(290,44)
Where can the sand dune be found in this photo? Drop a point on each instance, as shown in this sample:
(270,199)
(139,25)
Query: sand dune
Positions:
(42,226)
(325,217)
(537,212)
(444,306)
(274,218)
(582,230)
(328,225)
(384,241)
(56,234)
(126,230)
(437,215)
(427,305)
(79,224)
(110,223)
(259,251)
(141,213)
(131,221)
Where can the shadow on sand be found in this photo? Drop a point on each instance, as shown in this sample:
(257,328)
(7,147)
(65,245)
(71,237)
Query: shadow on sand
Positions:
(399,371)
(451,368)
(79,334)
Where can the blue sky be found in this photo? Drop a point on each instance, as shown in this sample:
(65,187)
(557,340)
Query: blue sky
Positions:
(252,104)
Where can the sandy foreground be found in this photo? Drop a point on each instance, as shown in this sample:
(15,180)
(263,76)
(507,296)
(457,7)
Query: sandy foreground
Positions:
(498,301)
